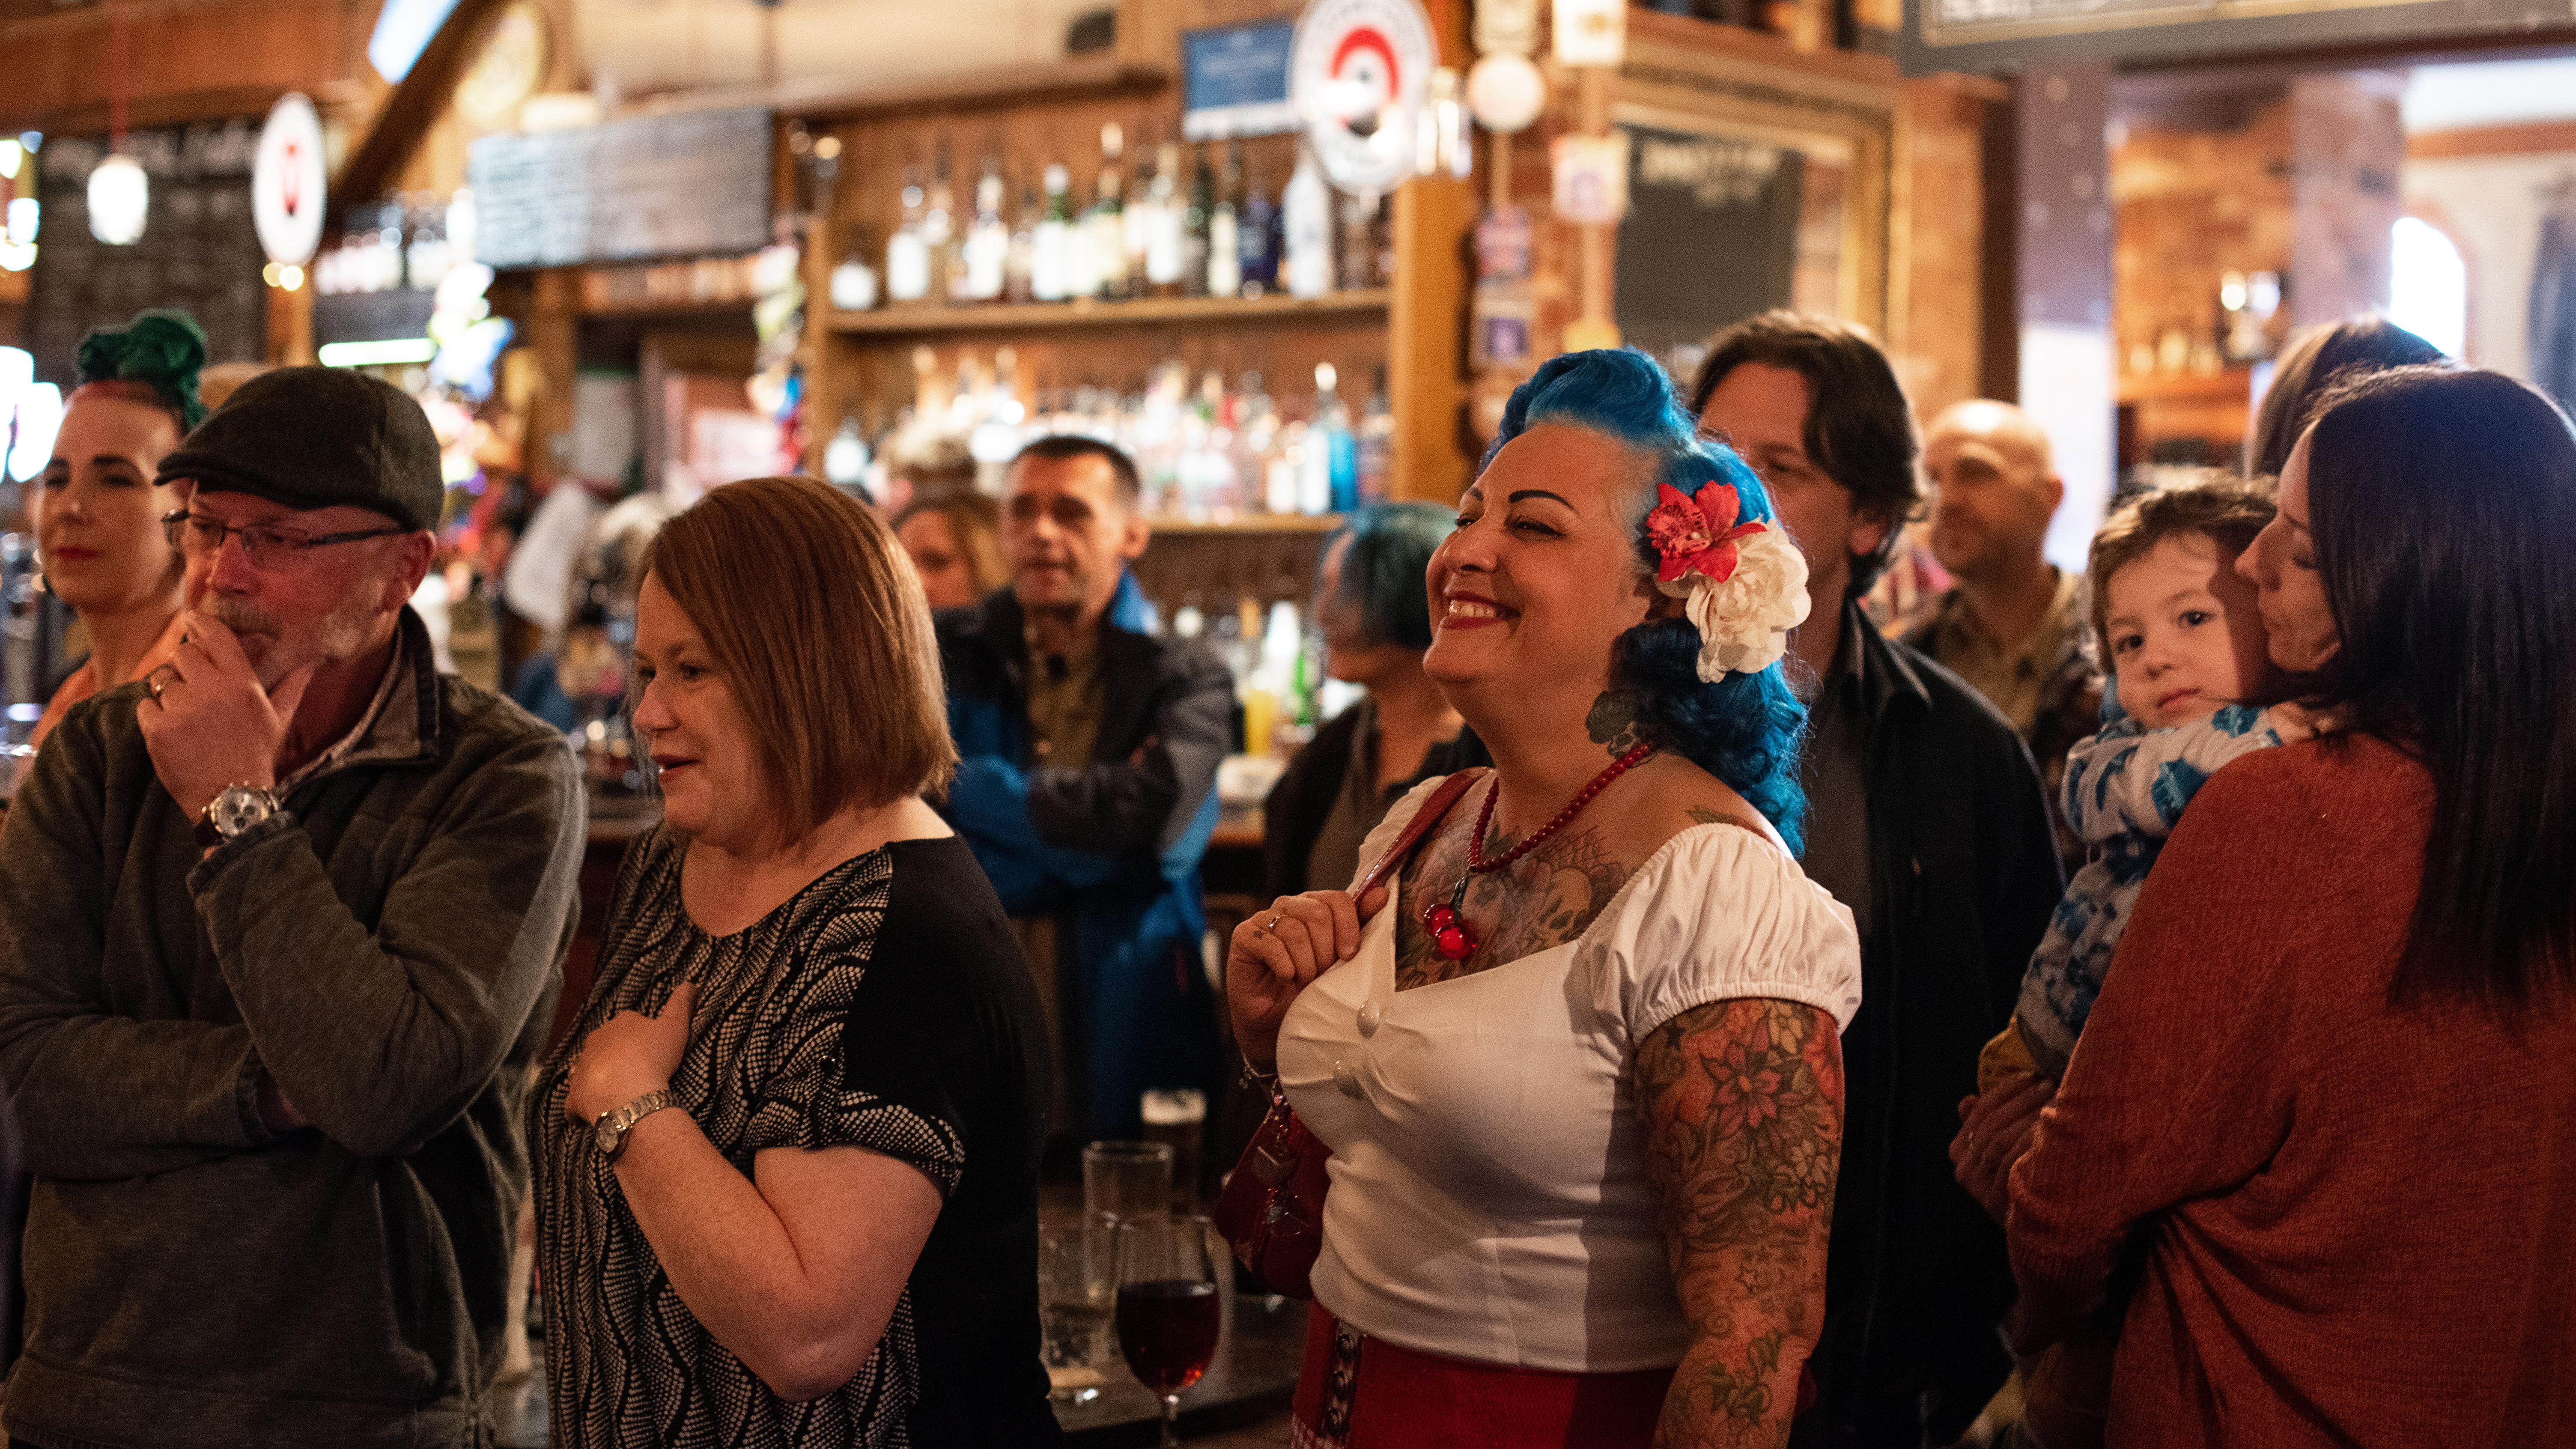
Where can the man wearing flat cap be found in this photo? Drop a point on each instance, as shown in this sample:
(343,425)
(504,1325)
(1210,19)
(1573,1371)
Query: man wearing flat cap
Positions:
(281,928)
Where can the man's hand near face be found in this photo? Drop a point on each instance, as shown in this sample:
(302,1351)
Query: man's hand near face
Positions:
(208,723)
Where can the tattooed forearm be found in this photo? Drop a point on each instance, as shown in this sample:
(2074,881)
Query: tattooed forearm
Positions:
(1743,1108)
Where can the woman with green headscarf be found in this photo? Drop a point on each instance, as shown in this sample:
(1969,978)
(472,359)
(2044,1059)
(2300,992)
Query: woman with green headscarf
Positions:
(98,518)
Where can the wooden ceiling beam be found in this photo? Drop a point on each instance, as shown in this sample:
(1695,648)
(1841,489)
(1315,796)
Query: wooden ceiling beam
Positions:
(414,106)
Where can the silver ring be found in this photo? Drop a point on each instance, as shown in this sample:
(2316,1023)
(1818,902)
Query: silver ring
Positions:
(153,683)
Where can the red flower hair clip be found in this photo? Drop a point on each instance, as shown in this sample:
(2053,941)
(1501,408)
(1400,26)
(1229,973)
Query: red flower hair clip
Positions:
(1697,533)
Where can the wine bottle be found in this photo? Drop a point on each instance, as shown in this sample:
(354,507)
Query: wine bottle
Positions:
(1167,225)
(1194,227)
(987,250)
(1050,259)
(1224,247)
(1106,224)
(1258,246)
(1017,283)
(939,224)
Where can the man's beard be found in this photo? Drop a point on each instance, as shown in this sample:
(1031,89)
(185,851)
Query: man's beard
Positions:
(334,638)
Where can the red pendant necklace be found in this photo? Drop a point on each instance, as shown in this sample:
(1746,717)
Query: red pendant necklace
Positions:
(1441,920)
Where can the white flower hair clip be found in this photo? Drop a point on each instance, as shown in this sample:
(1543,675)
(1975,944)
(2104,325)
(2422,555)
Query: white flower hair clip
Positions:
(1743,585)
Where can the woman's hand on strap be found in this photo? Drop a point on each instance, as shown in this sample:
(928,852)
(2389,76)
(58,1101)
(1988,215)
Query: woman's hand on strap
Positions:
(1743,1108)
(1274,953)
(1994,1131)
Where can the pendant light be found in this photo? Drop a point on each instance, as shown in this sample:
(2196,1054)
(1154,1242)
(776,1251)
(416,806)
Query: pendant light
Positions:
(120,195)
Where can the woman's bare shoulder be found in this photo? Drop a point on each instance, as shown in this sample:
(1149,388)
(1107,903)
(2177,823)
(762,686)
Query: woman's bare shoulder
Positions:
(1679,796)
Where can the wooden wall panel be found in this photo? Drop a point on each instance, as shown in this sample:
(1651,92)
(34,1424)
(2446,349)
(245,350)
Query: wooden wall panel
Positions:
(188,59)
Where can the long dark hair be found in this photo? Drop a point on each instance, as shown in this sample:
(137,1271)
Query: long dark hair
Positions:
(2458,628)
(1860,429)
(2309,366)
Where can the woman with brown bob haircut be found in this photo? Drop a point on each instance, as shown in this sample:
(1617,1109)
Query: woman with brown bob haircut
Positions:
(787,1183)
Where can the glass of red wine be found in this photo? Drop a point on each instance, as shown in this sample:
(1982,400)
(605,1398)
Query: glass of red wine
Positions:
(1168,1309)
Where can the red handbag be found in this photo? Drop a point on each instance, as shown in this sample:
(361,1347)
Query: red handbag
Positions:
(1272,1209)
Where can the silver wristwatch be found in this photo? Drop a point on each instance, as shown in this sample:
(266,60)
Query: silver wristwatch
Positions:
(234,809)
(609,1132)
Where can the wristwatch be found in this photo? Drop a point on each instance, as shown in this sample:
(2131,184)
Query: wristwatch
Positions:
(609,1132)
(234,809)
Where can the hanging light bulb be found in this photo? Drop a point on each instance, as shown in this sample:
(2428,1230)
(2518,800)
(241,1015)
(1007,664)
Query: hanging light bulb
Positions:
(120,196)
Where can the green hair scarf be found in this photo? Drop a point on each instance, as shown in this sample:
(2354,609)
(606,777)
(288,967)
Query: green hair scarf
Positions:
(161,348)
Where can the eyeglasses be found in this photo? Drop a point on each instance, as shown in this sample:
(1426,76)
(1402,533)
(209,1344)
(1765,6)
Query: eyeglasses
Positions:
(195,534)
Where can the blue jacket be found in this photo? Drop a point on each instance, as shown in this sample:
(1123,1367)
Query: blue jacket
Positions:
(1111,849)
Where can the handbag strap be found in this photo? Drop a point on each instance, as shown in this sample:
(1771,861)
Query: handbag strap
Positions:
(1419,826)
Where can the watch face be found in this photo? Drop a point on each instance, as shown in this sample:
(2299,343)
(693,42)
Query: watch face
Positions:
(606,1135)
(239,808)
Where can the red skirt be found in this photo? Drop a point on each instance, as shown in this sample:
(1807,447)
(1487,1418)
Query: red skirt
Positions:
(1357,1392)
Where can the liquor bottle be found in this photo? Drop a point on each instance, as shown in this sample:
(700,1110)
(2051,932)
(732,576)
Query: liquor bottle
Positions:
(1194,227)
(939,224)
(907,270)
(854,283)
(1356,253)
(1258,222)
(1328,475)
(1050,259)
(1107,222)
(1224,247)
(846,457)
(1018,284)
(1376,452)
(1167,229)
(1141,220)
(987,250)
(1282,464)
(1306,230)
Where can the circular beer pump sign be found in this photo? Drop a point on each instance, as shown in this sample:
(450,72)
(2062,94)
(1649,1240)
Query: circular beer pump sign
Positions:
(287,181)
(1358,74)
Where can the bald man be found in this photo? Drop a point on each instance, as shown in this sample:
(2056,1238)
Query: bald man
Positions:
(2014,625)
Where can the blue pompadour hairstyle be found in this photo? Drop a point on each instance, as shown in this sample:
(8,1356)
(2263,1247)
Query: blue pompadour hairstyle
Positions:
(1746,728)
(1382,575)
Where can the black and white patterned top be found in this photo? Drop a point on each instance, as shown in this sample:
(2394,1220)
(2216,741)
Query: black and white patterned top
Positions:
(882,1007)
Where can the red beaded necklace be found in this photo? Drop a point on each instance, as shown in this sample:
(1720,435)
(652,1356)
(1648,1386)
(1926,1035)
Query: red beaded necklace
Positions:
(1441,921)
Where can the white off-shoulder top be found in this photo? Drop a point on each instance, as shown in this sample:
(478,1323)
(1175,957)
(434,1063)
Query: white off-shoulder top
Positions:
(1489,1197)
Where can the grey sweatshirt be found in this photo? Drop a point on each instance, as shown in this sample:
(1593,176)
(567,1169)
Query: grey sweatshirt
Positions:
(390,952)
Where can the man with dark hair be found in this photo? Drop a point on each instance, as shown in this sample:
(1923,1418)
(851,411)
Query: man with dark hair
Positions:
(281,927)
(1087,785)
(1925,818)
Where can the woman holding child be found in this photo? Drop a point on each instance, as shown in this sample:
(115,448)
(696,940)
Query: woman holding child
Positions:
(2328,1092)
(1579,1066)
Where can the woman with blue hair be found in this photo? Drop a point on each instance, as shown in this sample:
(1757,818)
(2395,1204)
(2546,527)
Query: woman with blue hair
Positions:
(1370,607)
(1580,1073)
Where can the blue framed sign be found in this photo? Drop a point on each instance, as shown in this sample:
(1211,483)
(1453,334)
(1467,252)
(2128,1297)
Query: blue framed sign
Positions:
(1235,81)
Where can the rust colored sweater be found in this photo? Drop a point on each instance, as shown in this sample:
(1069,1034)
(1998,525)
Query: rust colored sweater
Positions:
(2358,1224)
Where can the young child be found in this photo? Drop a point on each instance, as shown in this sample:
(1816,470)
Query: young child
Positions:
(2185,646)
(2186,649)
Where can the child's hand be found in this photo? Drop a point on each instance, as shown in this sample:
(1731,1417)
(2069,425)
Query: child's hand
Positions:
(1994,1131)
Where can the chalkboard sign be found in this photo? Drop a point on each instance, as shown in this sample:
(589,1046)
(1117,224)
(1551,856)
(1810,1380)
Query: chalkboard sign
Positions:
(1710,237)
(199,250)
(691,184)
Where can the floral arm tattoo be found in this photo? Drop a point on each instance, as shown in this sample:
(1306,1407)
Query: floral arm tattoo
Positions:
(1743,1108)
